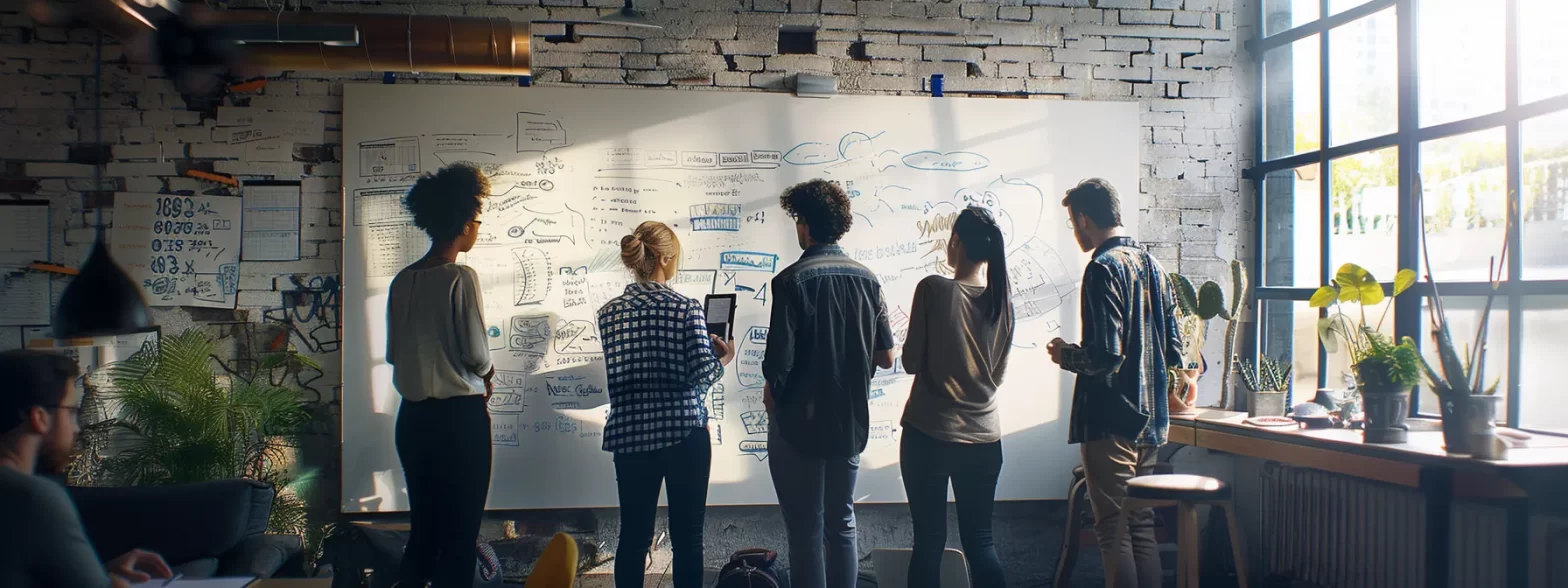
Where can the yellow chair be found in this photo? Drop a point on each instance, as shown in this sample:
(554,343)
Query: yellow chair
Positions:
(557,566)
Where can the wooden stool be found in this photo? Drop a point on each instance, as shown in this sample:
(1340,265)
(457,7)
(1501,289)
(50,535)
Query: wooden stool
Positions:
(1185,492)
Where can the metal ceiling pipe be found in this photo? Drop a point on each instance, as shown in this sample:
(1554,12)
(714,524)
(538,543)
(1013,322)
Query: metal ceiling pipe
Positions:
(405,43)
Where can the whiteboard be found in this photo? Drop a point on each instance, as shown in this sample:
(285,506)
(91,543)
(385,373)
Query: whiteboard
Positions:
(573,170)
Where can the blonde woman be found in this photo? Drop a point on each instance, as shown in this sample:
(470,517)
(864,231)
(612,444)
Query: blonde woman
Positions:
(661,361)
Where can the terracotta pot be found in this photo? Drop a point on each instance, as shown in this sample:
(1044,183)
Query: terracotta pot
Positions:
(1181,392)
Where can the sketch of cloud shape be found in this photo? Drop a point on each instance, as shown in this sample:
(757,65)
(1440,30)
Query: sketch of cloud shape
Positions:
(857,145)
(955,161)
(812,153)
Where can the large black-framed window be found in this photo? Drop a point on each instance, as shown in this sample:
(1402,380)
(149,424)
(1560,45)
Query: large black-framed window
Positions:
(1362,97)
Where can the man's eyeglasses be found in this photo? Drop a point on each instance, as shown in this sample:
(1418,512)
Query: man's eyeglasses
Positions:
(75,409)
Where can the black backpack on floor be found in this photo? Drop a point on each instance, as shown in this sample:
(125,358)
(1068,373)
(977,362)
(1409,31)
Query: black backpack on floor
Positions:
(749,568)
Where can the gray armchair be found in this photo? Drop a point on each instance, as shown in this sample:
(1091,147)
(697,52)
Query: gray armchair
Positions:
(203,530)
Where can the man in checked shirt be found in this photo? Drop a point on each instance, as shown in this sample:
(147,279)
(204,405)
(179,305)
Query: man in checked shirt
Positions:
(1120,415)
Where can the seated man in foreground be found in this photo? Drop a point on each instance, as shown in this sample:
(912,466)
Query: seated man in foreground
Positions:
(42,542)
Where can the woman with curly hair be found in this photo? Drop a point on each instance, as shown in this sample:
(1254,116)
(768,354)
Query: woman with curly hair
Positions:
(441,366)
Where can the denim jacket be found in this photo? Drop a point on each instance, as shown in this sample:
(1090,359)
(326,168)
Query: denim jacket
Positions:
(829,317)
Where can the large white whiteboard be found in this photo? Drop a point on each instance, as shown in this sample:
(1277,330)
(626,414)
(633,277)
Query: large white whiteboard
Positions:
(575,169)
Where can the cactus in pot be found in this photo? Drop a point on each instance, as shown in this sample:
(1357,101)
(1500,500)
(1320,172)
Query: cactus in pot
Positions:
(1207,302)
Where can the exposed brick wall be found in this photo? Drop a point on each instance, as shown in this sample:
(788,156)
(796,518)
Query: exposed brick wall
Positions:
(1180,59)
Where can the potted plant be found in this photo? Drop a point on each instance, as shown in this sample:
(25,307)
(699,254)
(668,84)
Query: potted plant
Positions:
(1384,371)
(1468,402)
(1269,382)
(1194,308)
(1182,391)
(181,421)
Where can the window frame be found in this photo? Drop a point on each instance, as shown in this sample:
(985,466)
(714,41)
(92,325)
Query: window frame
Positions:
(1408,138)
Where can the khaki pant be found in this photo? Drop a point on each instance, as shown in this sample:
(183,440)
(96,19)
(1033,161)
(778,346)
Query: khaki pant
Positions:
(1108,464)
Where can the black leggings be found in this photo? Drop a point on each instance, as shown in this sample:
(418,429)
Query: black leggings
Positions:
(444,445)
(928,464)
(682,469)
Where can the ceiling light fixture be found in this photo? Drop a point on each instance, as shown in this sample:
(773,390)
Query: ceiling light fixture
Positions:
(101,301)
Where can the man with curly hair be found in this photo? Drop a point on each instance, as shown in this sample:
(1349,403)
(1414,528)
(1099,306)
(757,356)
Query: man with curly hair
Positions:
(829,328)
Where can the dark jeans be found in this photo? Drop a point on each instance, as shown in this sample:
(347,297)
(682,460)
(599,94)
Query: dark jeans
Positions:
(817,498)
(928,465)
(682,469)
(444,445)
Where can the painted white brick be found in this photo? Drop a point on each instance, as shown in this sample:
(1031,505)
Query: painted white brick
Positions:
(269,151)
(953,54)
(1162,119)
(1087,43)
(1146,17)
(1104,72)
(1154,32)
(1167,136)
(58,170)
(1013,70)
(889,83)
(1206,90)
(1124,4)
(1015,13)
(978,10)
(216,151)
(123,169)
(1209,120)
(1046,70)
(799,63)
(146,185)
(752,46)
(281,171)
(1166,74)
(1015,54)
(142,151)
(732,79)
(1009,33)
(769,81)
(1057,86)
(650,78)
(1187,18)
(600,45)
(917,25)
(1126,44)
(838,6)
(1090,57)
(948,69)
(644,61)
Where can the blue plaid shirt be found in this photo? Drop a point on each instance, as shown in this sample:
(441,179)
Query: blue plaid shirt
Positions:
(1129,339)
(660,365)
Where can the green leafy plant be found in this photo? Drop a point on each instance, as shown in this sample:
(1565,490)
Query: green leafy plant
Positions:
(1207,302)
(1460,377)
(1378,361)
(183,422)
(1270,375)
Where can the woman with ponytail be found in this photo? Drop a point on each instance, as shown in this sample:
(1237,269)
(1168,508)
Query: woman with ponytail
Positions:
(661,361)
(960,332)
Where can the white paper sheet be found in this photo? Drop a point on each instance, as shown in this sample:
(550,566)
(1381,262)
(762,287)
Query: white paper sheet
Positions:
(271,221)
(24,239)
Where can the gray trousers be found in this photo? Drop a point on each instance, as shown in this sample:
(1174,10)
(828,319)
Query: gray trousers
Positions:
(817,497)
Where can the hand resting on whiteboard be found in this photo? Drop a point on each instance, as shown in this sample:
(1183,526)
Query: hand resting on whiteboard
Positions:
(725,349)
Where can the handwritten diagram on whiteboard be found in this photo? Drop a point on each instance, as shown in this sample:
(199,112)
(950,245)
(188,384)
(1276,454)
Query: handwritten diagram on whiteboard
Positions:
(573,170)
(182,250)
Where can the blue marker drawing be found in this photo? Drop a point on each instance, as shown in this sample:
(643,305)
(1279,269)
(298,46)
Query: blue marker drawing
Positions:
(757,449)
(714,216)
(811,154)
(754,261)
(740,288)
(229,278)
(954,161)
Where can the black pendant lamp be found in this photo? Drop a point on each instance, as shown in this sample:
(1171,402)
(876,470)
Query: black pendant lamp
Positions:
(101,301)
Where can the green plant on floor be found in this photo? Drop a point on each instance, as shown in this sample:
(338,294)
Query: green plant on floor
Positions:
(1378,362)
(185,422)
(1208,301)
(1270,375)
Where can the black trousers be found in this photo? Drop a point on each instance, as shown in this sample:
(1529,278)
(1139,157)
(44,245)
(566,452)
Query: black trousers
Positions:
(444,445)
(928,466)
(682,469)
